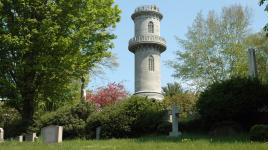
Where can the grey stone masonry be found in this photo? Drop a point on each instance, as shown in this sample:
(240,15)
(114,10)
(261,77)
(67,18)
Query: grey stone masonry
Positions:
(52,134)
(253,73)
(1,135)
(147,46)
(98,132)
(175,120)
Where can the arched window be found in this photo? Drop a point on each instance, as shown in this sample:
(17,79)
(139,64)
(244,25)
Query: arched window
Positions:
(151,63)
(151,27)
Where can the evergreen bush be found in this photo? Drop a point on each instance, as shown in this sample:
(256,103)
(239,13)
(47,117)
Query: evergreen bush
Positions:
(237,99)
(72,119)
(259,132)
(132,117)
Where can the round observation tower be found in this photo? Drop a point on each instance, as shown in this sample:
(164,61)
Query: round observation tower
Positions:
(147,46)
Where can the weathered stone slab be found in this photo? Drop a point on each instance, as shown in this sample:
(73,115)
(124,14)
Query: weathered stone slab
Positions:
(19,138)
(30,137)
(253,73)
(175,120)
(52,134)
(98,131)
(1,135)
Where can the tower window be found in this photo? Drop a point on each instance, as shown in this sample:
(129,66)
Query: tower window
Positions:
(151,27)
(151,63)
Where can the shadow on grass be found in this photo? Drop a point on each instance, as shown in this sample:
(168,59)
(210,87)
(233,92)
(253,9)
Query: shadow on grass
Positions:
(187,137)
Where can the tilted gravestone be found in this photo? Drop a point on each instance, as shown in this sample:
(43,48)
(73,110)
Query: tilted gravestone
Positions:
(1,135)
(30,137)
(175,119)
(52,134)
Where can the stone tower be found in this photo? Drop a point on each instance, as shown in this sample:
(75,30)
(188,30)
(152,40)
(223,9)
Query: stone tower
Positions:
(147,45)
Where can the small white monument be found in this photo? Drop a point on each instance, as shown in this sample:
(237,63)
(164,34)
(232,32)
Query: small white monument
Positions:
(253,73)
(19,138)
(175,119)
(52,134)
(1,135)
(30,137)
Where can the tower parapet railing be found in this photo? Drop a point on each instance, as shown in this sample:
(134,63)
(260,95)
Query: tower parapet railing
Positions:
(146,39)
(147,9)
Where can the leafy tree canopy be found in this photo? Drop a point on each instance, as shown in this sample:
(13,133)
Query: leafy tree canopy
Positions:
(262,2)
(213,49)
(47,44)
(174,95)
(107,95)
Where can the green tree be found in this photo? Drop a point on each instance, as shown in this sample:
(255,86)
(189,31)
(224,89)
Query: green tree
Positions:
(266,9)
(213,49)
(46,45)
(172,89)
(259,42)
(174,95)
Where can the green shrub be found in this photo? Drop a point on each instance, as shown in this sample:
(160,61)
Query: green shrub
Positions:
(196,125)
(236,99)
(186,100)
(186,103)
(164,128)
(10,120)
(225,128)
(132,117)
(72,119)
(259,132)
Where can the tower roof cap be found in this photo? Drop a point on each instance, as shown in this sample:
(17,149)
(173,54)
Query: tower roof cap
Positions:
(146,9)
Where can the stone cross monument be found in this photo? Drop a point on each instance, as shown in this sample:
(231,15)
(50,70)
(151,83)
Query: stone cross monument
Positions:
(147,45)
(175,120)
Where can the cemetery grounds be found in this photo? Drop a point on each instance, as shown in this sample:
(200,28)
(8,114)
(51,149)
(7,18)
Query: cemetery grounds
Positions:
(186,142)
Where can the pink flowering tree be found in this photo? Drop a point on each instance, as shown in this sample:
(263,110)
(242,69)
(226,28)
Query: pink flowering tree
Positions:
(107,95)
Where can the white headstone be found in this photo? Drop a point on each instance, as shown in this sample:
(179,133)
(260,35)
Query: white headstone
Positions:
(20,138)
(30,137)
(1,135)
(175,131)
(84,94)
(98,131)
(252,63)
(52,134)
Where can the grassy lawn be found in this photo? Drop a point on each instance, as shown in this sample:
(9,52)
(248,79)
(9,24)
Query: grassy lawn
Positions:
(187,142)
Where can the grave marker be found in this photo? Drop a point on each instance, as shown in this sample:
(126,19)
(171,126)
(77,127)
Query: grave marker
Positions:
(175,119)
(52,134)
(253,73)
(1,135)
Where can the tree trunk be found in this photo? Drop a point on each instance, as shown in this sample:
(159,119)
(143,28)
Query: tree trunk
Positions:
(28,110)
(28,93)
(82,88)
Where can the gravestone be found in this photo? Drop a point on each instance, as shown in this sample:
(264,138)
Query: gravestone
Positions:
(98,131)
(30,137)
(19,138)
(253,73)
(52,134)
(175,119)
(1,135)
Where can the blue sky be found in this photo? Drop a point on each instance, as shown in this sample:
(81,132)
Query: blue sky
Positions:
(178,16)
